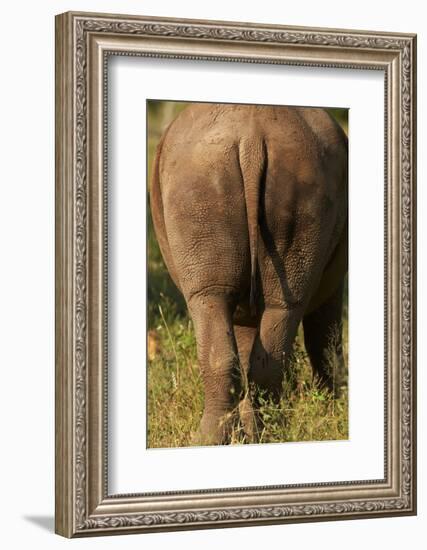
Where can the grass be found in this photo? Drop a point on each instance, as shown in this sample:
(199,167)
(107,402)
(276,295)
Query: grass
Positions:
(175,389)
(175,393)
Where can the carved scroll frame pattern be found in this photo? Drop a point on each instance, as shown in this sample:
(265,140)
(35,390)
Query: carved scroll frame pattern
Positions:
(212,31)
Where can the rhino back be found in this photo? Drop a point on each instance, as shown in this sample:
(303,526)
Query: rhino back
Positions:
(302,204)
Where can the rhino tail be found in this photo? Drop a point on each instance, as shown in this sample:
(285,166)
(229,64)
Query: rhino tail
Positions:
(253,160)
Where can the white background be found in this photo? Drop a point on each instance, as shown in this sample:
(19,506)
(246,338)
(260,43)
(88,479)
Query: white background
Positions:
(27,275)
(132,80)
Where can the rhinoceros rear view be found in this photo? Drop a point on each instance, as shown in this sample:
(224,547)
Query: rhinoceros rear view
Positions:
(249,205)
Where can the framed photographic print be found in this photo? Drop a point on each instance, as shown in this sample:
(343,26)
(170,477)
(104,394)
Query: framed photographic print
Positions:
(235,274)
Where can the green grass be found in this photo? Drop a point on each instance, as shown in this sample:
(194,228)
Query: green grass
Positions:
(175,401)
(175,392)
(175,389)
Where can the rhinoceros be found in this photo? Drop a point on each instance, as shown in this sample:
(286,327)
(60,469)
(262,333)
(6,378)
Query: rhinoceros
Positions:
(250,209)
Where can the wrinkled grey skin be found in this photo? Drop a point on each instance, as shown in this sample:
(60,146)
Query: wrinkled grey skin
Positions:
(249,206)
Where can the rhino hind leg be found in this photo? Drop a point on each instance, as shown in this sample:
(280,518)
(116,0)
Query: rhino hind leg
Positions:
(220,369)
(271,354)
(245,338)
(323,342)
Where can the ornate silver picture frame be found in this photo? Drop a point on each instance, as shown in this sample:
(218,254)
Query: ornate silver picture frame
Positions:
(84,42)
